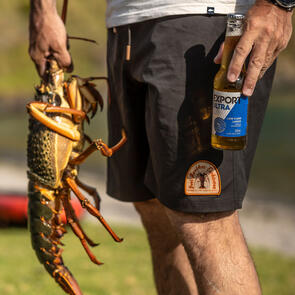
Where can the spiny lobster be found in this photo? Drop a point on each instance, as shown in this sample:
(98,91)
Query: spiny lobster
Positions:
(54,152)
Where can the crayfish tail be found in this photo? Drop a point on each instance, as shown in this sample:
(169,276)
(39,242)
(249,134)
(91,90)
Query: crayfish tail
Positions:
(46,231)
(65,279)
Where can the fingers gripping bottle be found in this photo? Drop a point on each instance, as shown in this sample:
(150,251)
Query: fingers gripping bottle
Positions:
(230,107)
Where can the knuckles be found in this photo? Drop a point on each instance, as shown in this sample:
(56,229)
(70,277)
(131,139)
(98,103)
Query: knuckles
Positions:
(241,50)
(250,83)
(266,28)
(269,30)
(256,61)
(253,23)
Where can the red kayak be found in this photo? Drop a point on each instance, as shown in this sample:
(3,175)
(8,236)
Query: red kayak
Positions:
(13,209)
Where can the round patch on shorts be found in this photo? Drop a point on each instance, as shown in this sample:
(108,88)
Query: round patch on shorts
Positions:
(202,179)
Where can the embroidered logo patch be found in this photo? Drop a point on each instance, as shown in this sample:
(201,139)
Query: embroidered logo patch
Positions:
(202,179)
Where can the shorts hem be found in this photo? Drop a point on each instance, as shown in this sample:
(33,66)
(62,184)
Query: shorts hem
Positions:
(122,197)
(190,206)
(203,206)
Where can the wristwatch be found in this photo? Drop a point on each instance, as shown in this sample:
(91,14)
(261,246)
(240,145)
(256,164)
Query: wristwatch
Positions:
(284,4)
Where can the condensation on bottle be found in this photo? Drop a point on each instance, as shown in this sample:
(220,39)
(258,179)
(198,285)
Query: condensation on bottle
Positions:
(230,107)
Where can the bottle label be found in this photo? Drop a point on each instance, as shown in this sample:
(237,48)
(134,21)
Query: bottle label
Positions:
(233,31)
(234,27)
(229,118)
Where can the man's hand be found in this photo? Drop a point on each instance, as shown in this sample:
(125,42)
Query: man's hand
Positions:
(48,36)
(267,32)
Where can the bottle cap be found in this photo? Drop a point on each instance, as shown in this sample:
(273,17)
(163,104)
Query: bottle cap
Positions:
(235,24)
(233,16)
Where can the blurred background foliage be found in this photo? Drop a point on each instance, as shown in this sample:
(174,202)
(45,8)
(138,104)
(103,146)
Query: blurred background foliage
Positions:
(273,169)
(18,75)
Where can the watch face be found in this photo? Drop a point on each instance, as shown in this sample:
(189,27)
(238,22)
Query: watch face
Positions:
(286,3)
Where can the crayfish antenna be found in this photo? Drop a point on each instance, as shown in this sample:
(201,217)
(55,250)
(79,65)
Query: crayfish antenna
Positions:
(82,39)
(64,11)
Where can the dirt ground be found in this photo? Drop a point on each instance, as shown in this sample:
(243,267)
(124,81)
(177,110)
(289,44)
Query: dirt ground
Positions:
(266,223)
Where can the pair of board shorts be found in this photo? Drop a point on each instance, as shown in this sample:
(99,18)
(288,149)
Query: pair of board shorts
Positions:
(162,97)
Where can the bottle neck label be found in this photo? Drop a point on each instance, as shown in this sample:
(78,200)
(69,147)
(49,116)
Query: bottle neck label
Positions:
(234,28)
(230,110)
(234,31)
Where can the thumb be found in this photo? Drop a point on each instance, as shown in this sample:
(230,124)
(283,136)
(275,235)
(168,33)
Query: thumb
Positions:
(218,57)
(41,66)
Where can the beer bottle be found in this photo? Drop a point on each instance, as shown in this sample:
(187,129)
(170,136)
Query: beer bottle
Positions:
(230,107)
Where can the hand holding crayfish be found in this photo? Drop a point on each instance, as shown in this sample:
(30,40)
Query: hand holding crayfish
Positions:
(48,36)
(55,150)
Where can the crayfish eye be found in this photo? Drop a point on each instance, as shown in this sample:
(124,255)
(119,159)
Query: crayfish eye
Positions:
(56,100)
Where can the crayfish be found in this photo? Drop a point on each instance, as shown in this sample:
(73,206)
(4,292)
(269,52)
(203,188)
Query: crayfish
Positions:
(55,150)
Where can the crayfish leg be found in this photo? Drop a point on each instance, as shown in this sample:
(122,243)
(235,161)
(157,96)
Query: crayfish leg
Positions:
(91,191)
(74,221)
(99,145)
(77,229)
(90,208)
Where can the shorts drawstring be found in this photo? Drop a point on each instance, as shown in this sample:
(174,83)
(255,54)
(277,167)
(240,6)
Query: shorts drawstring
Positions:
(128,46)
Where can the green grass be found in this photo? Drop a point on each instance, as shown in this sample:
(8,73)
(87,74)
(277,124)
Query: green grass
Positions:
(127,268)
(276,272)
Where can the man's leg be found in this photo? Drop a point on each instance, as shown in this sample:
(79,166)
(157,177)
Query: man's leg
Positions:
(217,250)
(172,271)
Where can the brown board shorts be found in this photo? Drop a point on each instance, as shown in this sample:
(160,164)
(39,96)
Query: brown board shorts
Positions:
(162,97)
